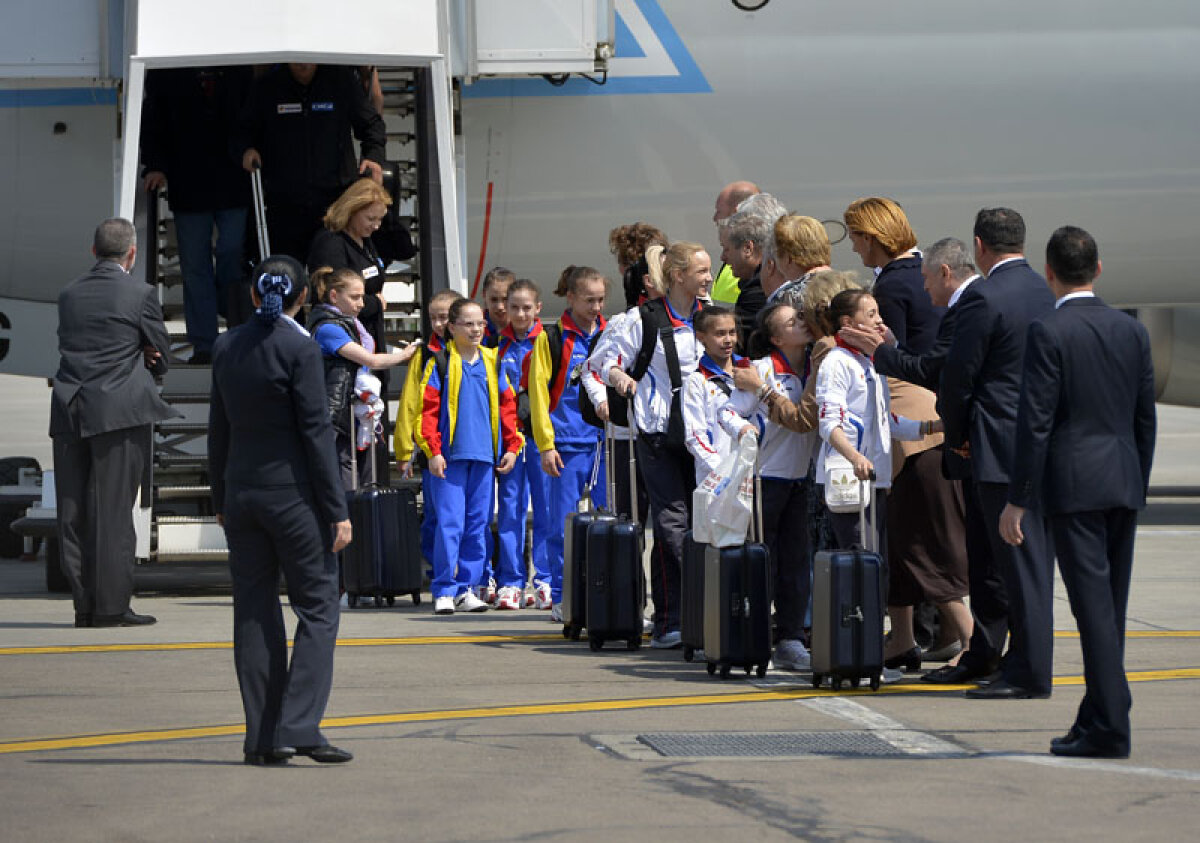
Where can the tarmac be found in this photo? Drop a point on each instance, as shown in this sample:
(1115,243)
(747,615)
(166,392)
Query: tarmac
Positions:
(493,727)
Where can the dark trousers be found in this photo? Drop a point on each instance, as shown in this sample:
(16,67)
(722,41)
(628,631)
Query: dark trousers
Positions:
(846,530)
(620,470)
(96,483)
(785,533)
(670,478)
(1028,573)
(1095,555)
(291,226)
(985,585)
(269,531)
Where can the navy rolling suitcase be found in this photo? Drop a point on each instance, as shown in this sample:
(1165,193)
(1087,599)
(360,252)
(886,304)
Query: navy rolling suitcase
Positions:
(691,615)
(737,603)
(574,594)
(383,558)
(848,606)
(616,582)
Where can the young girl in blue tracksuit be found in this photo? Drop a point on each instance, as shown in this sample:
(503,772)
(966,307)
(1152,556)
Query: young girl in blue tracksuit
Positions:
(570,447)
(468,421)
(526,483)
(783,460)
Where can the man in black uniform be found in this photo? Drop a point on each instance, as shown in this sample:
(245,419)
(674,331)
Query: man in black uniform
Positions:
(297,126)
(1084,445)
(110,329)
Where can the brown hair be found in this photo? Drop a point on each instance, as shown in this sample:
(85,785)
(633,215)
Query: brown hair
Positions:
(498,275)
(327,279)
(884,220)
(354,198)
(525,284)
(460,304)
(820,291)
(441,296)
(628,243)
(573,276)
(843,304)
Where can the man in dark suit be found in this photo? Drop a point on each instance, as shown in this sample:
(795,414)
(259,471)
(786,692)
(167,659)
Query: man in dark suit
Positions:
(110,330)
(1085,441)
(277,492)
(977,400)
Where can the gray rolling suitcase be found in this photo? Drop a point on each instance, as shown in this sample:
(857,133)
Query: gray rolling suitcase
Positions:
(848,607)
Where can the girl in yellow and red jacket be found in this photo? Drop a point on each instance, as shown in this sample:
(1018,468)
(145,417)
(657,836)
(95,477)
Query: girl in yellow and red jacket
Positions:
(468,430)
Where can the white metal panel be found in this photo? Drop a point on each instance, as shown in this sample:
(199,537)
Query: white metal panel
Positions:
(535,36)
(226,31)
(50,38)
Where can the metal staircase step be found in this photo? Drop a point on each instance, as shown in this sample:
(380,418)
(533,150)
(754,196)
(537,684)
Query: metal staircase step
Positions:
(186,538)
(185,397)
(183,492)
(181,462)
(175,428)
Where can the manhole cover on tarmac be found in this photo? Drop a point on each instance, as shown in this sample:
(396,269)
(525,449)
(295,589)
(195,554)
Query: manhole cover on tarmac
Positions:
(848,744)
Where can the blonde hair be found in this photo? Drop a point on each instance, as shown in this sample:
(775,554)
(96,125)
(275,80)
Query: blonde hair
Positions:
(327,279)
(801,240)
(354,198)
(663,263)
(884,220)
(819,292)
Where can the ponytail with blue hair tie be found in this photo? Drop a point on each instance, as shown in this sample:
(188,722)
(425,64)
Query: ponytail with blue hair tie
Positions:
(272,288)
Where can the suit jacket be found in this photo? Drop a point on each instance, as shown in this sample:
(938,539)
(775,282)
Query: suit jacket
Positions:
(1085,428)
(268,424)
(981,379)
(905,306)
(105,317)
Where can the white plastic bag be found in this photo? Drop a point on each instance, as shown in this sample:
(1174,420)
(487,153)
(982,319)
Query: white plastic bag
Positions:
(844,492)
(732,502)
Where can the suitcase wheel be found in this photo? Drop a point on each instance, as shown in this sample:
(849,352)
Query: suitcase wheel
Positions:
(416,597)
(576,633)
(378,601)
(595,644)
(567,630)
(875,683)
(725,670)
(835,682)
(854,682)
(633,644)
(689,653)
(351,599)
(761,672)
(749,668)
(391,599)
(817,679)
(712,668)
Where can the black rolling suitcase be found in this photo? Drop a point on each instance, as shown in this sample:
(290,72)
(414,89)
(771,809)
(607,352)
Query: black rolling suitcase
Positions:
(383,558)
(848,606)
(616,581)
(691,615)
(737,602)
(574,594)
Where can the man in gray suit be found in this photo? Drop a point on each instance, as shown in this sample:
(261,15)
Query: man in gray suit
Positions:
(111,342)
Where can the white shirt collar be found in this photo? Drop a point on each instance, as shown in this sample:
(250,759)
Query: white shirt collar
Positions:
(1001,263)
(1078,294)
(295,324)
(962,288)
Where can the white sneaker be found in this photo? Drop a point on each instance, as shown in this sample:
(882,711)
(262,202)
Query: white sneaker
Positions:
(541,596)
(443,606)
(527,598)
(891,675)
(647,626)
(791,655)
(468,602)
(667,641)
(508,598)
(556,615)
(490,593)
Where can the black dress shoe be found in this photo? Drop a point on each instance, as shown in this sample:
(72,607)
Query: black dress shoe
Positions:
(994,676)
(269,758)
(1001,690)
(325,754)
(954,674)
(1082,747)
(910,660)
(1073,734)
(83,619)
(129,618)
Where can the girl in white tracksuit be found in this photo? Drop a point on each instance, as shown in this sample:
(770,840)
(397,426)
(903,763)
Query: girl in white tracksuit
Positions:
(667,467)
(854,418)
(783,462)
(707,389)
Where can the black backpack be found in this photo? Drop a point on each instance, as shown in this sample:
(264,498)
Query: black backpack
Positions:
(554,338)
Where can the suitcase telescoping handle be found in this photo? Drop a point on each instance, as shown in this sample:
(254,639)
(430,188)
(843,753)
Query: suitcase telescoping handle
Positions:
(260,214)
(870,541)
(633,434)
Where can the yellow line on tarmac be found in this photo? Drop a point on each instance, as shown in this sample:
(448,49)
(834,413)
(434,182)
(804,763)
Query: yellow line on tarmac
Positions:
(68,649)
(63,649)
(489,712)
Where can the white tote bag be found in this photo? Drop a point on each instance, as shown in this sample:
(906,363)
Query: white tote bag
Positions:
(843,491)
(732,504)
